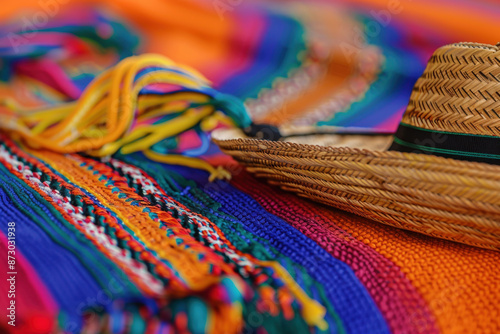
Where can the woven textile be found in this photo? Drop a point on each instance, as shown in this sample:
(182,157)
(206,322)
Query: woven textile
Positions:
(360,271)
(128,244)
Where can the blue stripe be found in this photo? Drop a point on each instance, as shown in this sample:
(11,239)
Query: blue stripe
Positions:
(58,260)
(276,55)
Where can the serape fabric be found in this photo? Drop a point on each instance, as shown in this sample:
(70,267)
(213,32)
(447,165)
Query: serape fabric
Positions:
(127,244)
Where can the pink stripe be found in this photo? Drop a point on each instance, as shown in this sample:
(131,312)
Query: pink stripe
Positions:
(50,73)
(43,38)
(391,124)
(36,311)
(243,46)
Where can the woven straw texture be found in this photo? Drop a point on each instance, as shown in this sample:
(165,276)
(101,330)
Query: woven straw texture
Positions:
(441,197)
(459,91)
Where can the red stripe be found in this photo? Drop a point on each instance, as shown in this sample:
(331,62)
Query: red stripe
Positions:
(35,309)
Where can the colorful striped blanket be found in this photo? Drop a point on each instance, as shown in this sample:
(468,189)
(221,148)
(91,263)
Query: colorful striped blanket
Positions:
(127,244)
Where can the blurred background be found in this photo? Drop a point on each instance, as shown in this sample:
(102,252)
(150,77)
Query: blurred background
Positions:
(338,62)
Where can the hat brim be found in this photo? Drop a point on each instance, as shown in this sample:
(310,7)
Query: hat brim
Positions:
(441,197)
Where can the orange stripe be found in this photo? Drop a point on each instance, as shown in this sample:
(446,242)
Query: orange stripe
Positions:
(458,22)
(185,30)
(130,273)
(195,272)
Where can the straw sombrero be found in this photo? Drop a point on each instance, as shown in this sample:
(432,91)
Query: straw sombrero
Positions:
(440,176)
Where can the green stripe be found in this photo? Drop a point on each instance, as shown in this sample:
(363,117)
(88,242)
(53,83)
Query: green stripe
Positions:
(446,132)
(446,151)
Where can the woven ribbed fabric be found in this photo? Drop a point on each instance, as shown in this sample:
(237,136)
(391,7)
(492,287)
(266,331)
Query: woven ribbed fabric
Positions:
(126,244)
(161,248)
(419,284)
(361,272)
(346,294)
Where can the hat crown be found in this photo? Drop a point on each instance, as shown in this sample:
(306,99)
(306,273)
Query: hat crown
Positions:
(459,91)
